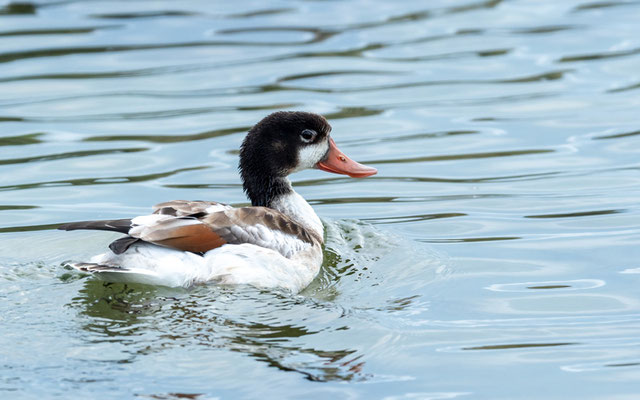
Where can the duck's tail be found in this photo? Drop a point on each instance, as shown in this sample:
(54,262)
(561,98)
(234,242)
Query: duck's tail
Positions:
(113,225)
(118,246)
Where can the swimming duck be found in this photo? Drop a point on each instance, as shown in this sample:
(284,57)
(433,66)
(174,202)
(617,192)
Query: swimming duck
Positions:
(275,243)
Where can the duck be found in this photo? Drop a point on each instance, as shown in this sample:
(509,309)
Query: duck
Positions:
(276,243)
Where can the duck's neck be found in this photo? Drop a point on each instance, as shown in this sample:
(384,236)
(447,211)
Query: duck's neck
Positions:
(277,193)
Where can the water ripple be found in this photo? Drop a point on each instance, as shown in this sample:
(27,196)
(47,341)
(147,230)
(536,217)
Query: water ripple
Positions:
(169,138)
(18,8)
(260,13)
(144,14)
(21,140)
(412,218)
(73,154)
(318,35)
(600,56)
(98,181)
(518,346)
(159,114)
(471,156)
(548,76)
(58,31)
(66,51)
(618,135)
(601,4)
(577,214)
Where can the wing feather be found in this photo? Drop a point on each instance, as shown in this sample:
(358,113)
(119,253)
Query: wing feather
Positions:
(183,208)
(200,226)
(262,226)
(196,238)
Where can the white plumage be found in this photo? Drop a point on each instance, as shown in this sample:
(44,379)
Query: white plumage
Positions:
(235,264)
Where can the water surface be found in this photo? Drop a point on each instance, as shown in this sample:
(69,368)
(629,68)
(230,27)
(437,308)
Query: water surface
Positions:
(495,255)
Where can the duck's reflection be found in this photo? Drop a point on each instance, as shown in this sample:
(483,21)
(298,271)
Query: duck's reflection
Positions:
(266,326)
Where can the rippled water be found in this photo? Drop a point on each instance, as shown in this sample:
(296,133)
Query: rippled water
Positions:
(495,255)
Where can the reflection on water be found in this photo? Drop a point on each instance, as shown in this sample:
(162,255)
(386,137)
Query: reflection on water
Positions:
(120,312)
(504,217)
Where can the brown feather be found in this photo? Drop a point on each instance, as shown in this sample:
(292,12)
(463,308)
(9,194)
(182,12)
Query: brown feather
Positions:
(197,238)
(243,216)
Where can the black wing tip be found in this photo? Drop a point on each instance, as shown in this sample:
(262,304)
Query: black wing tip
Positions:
(121,245)
(71,226)
(114,225)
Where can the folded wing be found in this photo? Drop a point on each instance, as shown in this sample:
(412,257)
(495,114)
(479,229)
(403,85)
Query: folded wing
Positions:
(198,226)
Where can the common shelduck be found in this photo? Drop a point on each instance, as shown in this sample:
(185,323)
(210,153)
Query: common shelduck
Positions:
(275,243)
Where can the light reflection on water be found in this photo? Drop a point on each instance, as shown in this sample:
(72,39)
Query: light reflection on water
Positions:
(494,256)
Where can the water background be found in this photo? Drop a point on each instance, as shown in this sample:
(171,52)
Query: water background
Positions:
(494,256)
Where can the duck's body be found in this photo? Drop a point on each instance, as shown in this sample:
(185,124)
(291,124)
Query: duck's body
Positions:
(275,243)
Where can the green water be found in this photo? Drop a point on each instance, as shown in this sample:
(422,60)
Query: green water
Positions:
(494,256)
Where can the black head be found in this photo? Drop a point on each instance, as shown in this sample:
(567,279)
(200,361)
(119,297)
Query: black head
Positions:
(286,142)
(282,143)
(274,144)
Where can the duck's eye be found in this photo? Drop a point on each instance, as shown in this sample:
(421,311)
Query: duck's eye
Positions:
(308,135)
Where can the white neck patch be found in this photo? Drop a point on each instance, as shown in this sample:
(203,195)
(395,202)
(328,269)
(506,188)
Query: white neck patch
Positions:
(310,155)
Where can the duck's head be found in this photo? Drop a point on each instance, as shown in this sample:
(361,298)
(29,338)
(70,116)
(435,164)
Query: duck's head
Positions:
(286,142)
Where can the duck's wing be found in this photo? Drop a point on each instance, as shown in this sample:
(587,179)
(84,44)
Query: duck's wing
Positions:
(202,226)
(187,208)
(204,231)
(254,224)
